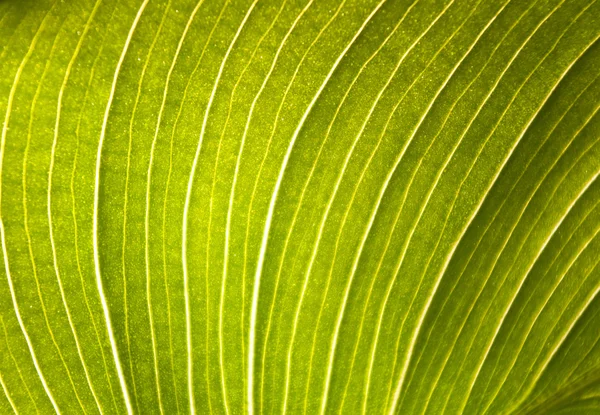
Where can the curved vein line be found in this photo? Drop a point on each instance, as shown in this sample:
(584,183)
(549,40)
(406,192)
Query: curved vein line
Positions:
(19,372)
(230,206)
(529,233)
(371,220)
(275,124)
(236,173)
(49,197)
(476,210)
(26,220)
(149,182)
(499,254)
(502,204)
(28,233)
(4,16)
(199,146)
(489,94)
(289,354)
(287,239)
(504,316)
(561,341)
(246,128)
(541,250)
(388,242)
(292,271)
(364,237)
(167,291)
(207,268)
(74,216)
(2,232)
(569,377)
(166,196)
(465,90)
(99,284)
(147,213)
(432,188)
(287,377)
(388,179)
(514,146)
(188,321)
(76,230)
(560,279)
(269,217)
(310,176)
(5,390)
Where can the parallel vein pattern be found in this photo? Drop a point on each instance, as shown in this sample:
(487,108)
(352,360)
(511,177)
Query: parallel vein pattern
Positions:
(300,206)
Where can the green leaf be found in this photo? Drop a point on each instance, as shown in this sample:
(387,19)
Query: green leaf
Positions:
(300,206)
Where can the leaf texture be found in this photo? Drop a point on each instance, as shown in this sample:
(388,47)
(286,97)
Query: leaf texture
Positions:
(300,206)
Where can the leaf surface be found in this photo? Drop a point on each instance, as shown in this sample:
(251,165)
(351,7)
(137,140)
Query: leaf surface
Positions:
(300,206)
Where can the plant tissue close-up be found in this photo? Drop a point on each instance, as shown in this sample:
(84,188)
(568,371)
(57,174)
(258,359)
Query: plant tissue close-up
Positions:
(300,207)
